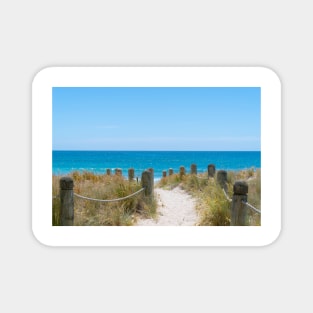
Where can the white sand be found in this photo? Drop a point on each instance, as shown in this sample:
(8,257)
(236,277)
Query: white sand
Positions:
(175,208)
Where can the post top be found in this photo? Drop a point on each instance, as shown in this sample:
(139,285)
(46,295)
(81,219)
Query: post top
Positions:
(147,172)
(66,183)
(222,172)
(240,188)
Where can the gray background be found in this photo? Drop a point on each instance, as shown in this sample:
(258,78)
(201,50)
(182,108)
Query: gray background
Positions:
(37,34)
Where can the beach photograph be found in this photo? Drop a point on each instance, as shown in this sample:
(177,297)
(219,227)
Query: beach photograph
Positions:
(156,156)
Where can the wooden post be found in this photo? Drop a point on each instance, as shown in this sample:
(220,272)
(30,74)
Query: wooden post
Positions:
(67,201)
(222,179)
(211,170)
(118,171)
(164,174)
(147,183)
(239,209)
(108,171)
(131,174)
(193,169)
(170,172)
(182,171)
(152,177)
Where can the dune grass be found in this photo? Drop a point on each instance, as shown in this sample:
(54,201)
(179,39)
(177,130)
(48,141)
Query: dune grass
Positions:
(93,213)
(213,207)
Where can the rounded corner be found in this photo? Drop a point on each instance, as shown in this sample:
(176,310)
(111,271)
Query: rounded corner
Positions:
(42,73)
(39,240)
(274,239)
(270,73)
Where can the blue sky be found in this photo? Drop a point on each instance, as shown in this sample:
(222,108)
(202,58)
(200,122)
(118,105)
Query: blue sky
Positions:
(156,118)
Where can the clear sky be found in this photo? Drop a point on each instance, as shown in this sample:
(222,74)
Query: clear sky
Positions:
(156,118)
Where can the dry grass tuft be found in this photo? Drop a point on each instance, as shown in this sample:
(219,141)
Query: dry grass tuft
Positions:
(93,213)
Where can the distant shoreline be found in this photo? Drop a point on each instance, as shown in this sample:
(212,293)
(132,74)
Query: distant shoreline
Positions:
(64,162)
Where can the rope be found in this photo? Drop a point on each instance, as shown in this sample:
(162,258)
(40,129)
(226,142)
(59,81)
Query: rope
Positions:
(110,200)
(230,200)
(246,203)
(252,207)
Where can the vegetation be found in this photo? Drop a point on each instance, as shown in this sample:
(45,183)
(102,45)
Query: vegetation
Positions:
(93,213)
(213,207)
(170,182)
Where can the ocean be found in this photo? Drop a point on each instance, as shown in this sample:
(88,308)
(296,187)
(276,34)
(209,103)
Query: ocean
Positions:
(64,162)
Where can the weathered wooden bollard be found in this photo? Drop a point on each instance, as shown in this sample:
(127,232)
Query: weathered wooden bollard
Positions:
(67,201)
(182,171)
(211,170)
(147,182)
(193,169)
(151,170)
(108,171)
(222,179)
(118,171)
(239,209)
(131,174)
(152,177)
(170,172)
(164,174)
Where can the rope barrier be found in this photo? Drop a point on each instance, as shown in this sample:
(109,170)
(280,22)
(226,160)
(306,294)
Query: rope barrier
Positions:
(252,207)
(246,203)
(109,200)
(230,200)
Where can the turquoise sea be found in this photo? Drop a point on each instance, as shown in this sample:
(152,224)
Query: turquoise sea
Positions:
(64,162)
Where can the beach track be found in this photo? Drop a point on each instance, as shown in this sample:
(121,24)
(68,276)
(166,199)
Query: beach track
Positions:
(175,208)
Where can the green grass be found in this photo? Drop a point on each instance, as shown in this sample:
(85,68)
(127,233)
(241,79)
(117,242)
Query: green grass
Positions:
(93,213)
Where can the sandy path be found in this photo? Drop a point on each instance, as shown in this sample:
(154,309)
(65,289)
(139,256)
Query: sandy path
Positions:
(175,208)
